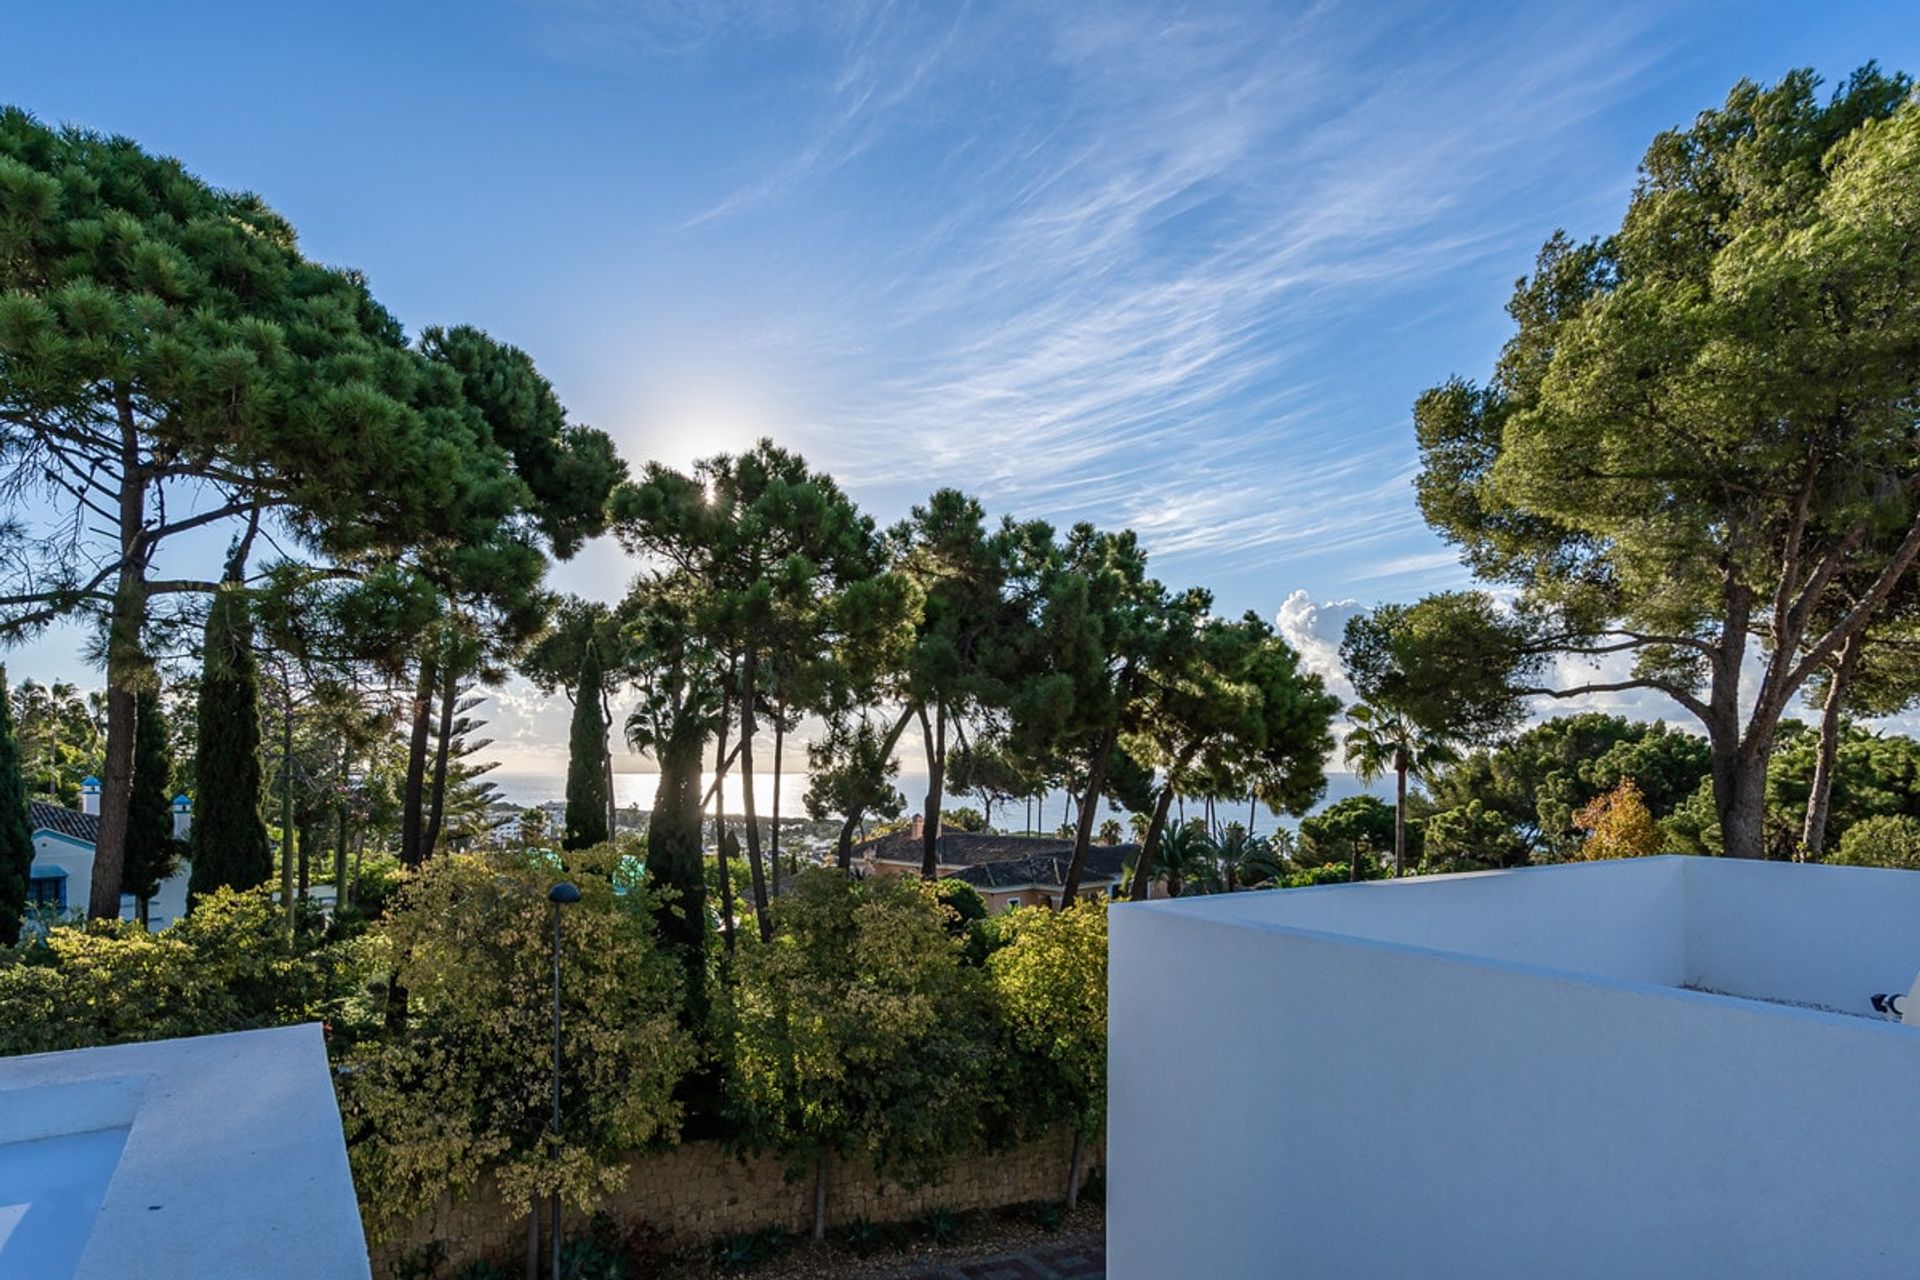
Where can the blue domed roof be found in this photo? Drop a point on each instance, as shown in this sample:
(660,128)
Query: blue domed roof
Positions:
(89,781)
(182,799)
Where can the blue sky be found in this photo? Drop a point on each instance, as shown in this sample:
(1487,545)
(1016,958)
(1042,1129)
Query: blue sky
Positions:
(1179,267)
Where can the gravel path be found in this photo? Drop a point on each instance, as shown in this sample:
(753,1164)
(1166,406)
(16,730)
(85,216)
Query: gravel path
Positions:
(1075,1258)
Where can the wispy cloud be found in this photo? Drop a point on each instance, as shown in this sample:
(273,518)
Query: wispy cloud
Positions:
(1127,263)
(1123,311)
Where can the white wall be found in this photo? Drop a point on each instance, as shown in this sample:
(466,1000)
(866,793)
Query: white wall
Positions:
(1822,935)
(167,905)
(234,1162)
(1623,919)
(51,851)
(1296,1104)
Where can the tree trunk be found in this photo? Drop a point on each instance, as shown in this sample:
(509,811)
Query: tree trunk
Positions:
(303,877)
(533,1238)
(676,860)
(935,737)
(1073,1171)
(413,800)
(1740,797)
(126,667)
(820,1198)
(1142,887)
(1739,767)
(442,755)
(286,796)
(779,744)
(720,819)
(1083,836)
(749,672)
(340,834)
(1813,834)
(606,761)
(1399,814)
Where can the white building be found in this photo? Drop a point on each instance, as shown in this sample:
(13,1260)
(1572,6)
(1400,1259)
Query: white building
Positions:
(63,849)
(1655,1067)
(215,1156)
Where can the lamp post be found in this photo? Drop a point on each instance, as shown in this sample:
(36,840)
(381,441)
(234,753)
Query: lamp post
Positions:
(561,895)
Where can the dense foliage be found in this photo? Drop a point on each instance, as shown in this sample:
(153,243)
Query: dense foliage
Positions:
(464,1085)
(1891,840)
(151,848)
(587,775)
(857,1030)
(230,966)
(229,845)
(1700,439)
(177,332)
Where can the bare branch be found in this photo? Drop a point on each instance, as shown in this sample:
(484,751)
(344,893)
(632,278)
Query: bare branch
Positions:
(1674,691)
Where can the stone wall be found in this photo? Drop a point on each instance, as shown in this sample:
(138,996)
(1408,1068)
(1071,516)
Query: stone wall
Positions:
(698,1192)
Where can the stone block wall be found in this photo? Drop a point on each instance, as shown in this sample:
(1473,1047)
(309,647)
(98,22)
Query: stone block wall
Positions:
(698,1192)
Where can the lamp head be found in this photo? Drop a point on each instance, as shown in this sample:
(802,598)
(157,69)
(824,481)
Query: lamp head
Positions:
(564,894)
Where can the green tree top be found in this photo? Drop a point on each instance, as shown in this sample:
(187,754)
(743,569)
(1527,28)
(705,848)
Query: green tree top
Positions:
(1703,417)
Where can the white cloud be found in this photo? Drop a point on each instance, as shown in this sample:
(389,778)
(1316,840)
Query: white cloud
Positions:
(1315,631)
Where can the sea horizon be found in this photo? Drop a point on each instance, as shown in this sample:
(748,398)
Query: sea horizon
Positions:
(636,788)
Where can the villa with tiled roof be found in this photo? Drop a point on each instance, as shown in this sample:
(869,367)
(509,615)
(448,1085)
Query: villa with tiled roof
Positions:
(1008,870)
(61,876)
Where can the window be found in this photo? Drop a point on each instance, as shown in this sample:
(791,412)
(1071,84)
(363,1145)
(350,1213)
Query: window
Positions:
(47,891)
(1012,903)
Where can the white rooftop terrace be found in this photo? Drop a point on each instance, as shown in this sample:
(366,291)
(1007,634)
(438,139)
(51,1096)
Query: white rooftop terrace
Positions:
(1656,1067)
(210,1158)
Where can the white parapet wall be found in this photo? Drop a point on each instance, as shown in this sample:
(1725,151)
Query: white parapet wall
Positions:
(209,1158)
(1658,1067)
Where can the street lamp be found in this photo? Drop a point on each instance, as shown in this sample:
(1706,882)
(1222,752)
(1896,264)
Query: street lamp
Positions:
(564,894)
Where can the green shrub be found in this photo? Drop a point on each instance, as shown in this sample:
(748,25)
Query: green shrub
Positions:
(857,1031)
(463,1087)
(229,966)
(381,878)
(964,901)
(1050,982)
(1891,840)
(1327,873)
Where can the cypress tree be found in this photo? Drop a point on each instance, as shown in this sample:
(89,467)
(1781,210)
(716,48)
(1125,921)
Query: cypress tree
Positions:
(16,834)
(229,845)
(150,843)
(587,759)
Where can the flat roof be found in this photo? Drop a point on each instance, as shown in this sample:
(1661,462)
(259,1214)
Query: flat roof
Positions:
(233,1162)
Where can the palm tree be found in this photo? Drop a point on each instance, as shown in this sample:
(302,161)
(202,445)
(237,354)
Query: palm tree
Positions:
(1182,857)
(1235,858)
(1383,739)
(57,724)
